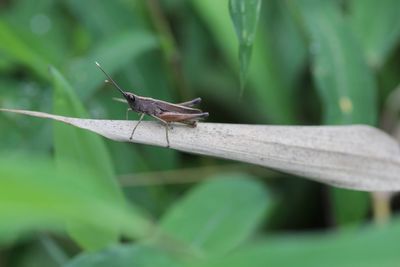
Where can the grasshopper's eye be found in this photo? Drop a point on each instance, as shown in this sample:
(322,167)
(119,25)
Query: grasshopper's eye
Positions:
(131,97)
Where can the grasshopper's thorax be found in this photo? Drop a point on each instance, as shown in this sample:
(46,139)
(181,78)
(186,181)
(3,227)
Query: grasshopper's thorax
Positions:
(141,104)
(145,105)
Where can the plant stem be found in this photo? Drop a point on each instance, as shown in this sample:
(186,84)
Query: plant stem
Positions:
(381,207)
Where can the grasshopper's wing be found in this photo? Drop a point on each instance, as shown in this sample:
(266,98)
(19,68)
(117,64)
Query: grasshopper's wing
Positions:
(182,117)
(190,103)
(169,107)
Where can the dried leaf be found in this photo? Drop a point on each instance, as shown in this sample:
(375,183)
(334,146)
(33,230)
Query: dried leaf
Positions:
(356,157)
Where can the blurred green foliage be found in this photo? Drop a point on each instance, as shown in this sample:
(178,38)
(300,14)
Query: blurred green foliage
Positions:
(312,62)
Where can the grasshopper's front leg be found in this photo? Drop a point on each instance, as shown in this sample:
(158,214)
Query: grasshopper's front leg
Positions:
(137,124)
(127,113)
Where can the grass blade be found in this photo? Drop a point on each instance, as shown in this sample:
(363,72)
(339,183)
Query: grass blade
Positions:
(42,197)
(245,15)
(85,150)
(15,47)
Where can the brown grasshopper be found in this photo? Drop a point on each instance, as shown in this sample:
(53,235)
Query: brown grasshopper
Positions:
(163,111)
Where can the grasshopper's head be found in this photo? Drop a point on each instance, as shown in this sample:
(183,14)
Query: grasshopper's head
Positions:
(130,98)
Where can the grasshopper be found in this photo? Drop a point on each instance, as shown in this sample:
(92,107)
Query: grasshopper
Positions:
(162,111)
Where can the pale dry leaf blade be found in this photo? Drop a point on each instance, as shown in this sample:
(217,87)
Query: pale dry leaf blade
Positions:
(356,157)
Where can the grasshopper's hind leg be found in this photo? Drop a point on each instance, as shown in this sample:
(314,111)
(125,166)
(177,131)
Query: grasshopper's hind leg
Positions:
(137,124)
(192,124)
(166,133)
(166,124)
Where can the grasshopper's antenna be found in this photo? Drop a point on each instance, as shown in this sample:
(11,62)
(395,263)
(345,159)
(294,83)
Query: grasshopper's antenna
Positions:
(110,79)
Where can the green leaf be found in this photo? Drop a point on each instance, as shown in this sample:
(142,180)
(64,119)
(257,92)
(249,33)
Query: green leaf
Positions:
(245,15)
(39,196)
(85,150)
(124,256)
(346,85)
(380,35)
(265,80)
(368,248)
(219,214)
(18,49)
(113,55)
(23,135)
